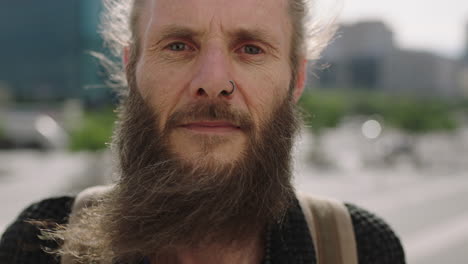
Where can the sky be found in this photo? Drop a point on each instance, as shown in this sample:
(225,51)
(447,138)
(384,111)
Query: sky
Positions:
(439,26)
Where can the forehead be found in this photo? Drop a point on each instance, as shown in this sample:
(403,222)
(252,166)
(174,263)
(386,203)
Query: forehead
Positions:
(218,16)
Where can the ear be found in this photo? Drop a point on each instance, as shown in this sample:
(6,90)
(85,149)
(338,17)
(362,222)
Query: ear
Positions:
(126,56)
(300,79)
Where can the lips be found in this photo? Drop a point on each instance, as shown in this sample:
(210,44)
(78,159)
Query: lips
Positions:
(211,126)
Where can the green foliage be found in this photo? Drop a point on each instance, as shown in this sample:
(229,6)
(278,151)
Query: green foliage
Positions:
(95,132)
(324,109)
(463,106)
(2,132)
(418,116)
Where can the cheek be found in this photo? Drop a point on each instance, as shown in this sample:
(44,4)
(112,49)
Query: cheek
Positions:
(160,87)
(265,89)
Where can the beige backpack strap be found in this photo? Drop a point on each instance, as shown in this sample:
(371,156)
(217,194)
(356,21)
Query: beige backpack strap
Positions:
(331,228)
(85,198)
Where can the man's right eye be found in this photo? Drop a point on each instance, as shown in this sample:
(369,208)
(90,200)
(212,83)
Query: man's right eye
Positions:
(177,46)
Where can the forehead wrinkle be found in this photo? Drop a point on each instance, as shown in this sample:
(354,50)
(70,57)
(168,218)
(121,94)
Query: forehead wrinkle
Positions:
(178,31)
(216,21)
(254,33)
(217,26)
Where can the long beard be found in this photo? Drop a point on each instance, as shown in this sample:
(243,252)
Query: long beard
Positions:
(161,203)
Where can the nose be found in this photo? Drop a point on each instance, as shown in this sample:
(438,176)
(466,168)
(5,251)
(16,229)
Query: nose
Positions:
(212,77)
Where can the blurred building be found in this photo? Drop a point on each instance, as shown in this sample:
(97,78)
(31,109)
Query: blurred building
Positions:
(364,56)
(357,55)
(43,46)
(466,45)
(464,73)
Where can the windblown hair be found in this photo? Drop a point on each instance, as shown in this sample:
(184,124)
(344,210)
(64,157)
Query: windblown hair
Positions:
(311,34)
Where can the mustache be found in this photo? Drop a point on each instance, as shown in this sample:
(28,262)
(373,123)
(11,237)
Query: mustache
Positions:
(210,111)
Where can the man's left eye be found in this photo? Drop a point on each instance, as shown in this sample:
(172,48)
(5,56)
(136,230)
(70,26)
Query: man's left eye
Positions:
(177,46)
(251,49)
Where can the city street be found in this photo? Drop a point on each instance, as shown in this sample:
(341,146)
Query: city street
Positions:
(378,88)
(29,176)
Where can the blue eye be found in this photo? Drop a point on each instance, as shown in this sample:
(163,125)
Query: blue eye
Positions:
(177,46)
(250,49)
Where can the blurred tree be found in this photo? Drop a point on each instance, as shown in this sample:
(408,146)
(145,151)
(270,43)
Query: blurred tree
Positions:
(5,94)
(95,132)
(321,111)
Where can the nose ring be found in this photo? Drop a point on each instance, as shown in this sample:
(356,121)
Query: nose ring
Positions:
(233,84)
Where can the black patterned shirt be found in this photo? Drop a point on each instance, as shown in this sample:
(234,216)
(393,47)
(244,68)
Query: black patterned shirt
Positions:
(289,242)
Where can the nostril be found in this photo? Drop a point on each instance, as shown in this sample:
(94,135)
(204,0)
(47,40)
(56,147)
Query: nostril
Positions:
(200,91)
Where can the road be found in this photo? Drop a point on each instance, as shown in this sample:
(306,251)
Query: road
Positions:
(29,176)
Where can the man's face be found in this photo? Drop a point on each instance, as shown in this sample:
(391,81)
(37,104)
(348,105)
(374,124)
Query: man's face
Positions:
(190,50)
(198,167)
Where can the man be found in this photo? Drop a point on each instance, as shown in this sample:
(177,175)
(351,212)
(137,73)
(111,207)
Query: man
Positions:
(203,147)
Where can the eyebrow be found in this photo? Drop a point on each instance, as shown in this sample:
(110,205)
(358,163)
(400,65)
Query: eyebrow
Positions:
(235,36)
(259,35)
(176,31)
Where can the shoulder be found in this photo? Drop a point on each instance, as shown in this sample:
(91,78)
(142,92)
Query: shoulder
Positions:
(376,241)
(20,242)
(54,208)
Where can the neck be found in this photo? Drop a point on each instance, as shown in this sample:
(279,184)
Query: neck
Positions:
(250,252)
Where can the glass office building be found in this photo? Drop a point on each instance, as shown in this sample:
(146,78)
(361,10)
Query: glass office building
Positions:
(44,49)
